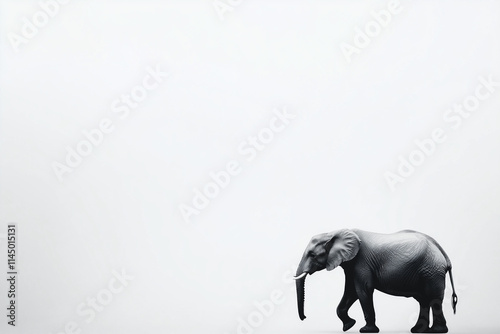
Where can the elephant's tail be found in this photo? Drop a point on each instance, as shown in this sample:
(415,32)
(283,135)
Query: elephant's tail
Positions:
(454,298)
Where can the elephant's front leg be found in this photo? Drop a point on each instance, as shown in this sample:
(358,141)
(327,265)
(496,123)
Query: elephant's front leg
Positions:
(345,304)
(365,294)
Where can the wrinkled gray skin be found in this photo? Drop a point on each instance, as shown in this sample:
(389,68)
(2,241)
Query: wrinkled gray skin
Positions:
(406,263)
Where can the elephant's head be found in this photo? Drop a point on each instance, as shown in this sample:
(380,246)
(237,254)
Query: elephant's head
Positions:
(326,250)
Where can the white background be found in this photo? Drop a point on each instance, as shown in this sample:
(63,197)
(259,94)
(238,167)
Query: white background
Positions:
(325,171)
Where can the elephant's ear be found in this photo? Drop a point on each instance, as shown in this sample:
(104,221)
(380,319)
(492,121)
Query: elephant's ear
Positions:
(344,245)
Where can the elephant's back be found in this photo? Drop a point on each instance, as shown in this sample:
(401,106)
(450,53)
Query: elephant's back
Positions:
(410,246)
(435,252)
(407,246)
(415,247)
(409,243)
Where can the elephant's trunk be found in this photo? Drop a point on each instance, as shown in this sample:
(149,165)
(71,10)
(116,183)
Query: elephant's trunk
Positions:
(300,284)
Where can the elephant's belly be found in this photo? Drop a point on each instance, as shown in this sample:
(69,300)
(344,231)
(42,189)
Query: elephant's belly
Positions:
(404,287)
(403,292)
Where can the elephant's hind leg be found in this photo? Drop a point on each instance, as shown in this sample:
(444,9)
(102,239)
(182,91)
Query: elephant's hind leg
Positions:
(437,294)
(434,296)
(422,325)
(439,322)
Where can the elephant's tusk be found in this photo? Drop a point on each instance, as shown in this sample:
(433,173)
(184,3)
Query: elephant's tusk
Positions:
(300,276)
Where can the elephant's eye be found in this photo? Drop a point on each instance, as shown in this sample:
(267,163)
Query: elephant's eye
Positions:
(312,254)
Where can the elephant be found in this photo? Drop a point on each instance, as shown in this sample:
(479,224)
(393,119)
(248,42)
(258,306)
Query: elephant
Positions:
(406,263)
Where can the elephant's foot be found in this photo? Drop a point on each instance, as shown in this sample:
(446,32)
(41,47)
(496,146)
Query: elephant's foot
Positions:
(348,324)
(421,327)
(438,329)
(369,329)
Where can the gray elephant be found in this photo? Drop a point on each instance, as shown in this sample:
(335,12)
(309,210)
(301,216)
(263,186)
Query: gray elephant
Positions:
(406,263)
